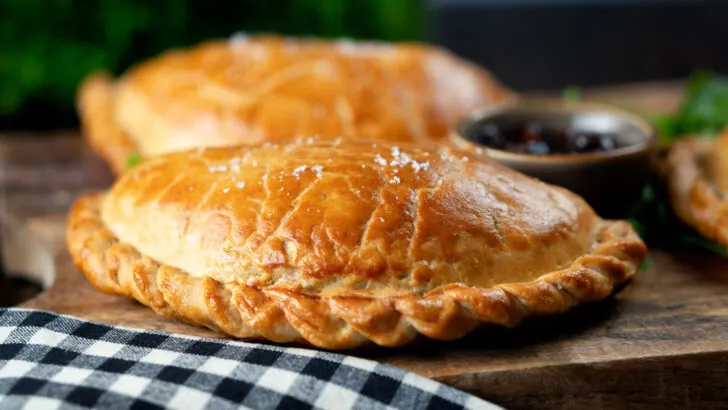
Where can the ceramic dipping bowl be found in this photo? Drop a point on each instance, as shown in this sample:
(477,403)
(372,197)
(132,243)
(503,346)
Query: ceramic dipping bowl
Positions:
(611,180)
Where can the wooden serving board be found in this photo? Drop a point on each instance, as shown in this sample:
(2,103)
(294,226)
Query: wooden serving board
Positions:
(662,342)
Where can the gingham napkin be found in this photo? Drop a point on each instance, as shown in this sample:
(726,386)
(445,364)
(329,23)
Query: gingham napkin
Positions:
(50,361)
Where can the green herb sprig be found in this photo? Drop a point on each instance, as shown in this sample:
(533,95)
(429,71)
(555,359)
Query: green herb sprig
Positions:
(704,110)
(133,159)
(571,94)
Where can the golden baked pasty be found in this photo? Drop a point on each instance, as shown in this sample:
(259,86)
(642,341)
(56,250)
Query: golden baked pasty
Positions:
(267,88)
(696,171)
(340,244)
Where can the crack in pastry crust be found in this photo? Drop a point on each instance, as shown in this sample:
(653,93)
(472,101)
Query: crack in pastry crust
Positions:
(267,88)
(343,321)
(694,193)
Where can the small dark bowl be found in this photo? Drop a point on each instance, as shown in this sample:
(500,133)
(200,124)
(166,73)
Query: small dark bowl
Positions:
(611,181)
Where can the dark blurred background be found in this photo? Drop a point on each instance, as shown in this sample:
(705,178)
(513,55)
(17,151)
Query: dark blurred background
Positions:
(535,44)
(46,46)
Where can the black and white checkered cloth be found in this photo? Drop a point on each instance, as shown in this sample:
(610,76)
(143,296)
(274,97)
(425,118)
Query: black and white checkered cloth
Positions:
(50,361)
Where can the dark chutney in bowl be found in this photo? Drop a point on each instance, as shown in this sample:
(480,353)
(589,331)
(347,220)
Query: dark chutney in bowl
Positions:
(535,139)
(600,152)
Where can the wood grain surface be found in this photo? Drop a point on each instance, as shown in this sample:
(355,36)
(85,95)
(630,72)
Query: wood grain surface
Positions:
(662,342)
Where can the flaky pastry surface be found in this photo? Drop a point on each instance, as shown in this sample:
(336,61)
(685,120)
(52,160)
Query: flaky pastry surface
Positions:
(696,173)
(267,88)
(340,244)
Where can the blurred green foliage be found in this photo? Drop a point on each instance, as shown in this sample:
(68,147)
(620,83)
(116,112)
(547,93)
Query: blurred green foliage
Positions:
(704,109)
(47,46)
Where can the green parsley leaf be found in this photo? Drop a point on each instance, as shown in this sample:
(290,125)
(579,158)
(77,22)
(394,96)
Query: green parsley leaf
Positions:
(571,94)
(133,159)
(704,110)
(646,264)
(704,243)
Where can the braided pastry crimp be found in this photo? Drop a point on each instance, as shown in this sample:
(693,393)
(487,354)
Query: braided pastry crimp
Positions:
(343,321)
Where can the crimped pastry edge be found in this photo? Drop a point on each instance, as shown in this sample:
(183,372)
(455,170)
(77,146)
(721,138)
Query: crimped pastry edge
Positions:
(694,198)
(343,322)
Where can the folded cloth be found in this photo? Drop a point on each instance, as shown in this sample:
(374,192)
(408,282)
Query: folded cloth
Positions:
(54,361)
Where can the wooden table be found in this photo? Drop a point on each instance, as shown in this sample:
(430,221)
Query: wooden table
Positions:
(663,342)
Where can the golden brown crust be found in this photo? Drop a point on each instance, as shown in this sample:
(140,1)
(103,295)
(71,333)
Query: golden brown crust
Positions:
(95,106)
(696,172)
(276,89)
(355,215)
(340,322)
(474,281)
